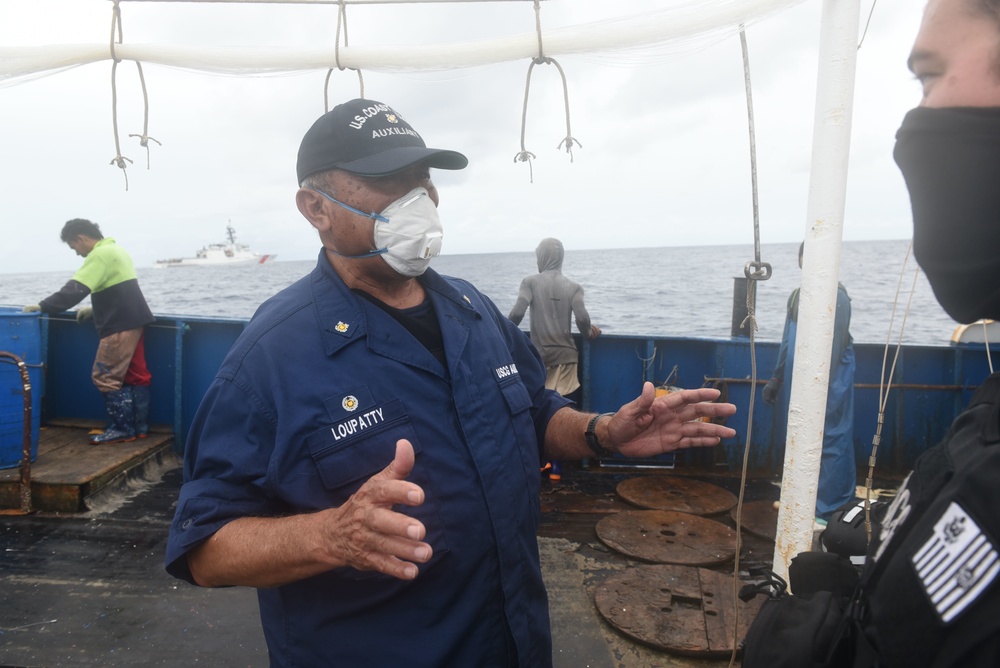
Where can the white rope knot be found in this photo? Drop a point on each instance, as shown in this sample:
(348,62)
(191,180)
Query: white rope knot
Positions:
(568,141)
(526,156)
(120,161)
(145,139)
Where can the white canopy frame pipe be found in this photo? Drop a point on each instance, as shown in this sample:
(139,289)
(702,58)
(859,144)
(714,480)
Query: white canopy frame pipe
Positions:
(674,23)
(820,269)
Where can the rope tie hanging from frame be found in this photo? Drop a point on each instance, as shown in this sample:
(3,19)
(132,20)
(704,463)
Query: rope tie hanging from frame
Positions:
(524,155)
(754,270)
(341,20)
(120,160)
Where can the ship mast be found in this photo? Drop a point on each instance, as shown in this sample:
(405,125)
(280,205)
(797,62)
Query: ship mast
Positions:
(838,50)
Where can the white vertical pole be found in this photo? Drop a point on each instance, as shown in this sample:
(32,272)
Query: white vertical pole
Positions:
(820,269)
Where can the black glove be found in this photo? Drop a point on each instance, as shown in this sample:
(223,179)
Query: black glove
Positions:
(770,392)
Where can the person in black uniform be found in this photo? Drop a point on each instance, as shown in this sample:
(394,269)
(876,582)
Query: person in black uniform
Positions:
(932,581)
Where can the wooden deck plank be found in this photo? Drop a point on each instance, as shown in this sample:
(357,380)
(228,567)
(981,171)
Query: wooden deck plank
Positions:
(68,469)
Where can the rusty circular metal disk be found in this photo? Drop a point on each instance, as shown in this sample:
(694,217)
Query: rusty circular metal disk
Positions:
(760,518)
(666,537)
(678,609)
(684,495)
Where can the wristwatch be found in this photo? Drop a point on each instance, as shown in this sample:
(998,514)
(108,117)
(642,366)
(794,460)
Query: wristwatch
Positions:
(593,442)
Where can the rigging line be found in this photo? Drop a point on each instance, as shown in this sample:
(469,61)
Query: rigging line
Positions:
(751,323)
(867,23)
(568,140)
(341,19)
(886,384)
(144,137)
(116,26)
(151,325)
(986,340)
(524,155)
(761,272)
(647,362)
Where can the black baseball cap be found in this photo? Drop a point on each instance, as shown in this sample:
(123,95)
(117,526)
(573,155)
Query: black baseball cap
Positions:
(368,138)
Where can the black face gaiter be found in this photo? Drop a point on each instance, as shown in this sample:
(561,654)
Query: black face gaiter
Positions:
(950,159)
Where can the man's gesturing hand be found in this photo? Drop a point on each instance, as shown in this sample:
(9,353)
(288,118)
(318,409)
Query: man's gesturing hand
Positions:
(367,534)
(652,425)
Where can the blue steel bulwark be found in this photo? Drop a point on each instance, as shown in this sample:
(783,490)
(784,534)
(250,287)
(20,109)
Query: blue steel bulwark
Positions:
(932,383)
(183,354)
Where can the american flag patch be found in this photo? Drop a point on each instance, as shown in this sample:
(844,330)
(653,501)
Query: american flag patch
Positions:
(957,564)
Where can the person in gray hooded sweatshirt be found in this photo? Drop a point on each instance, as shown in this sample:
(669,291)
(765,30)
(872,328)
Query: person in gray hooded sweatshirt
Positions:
(553,298)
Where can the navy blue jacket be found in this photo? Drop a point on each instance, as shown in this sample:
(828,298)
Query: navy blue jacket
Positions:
(309,404)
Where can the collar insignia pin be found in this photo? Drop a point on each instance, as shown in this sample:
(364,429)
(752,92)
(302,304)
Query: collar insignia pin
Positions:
(341,327)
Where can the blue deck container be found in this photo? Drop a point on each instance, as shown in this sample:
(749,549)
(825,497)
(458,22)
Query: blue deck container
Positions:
(20,334)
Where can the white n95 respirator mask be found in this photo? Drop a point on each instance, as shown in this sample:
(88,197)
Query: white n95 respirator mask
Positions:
(408,232)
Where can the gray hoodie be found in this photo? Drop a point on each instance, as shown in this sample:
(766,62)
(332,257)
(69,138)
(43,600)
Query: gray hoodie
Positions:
(553,298)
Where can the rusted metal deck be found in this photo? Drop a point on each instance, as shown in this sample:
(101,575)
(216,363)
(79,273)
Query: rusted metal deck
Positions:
(83,579)
(579,570)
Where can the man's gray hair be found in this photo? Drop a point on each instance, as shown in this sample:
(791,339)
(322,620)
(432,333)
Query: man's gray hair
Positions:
(318,181)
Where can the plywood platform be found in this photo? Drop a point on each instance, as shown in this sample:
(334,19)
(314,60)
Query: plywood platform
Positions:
(68,469)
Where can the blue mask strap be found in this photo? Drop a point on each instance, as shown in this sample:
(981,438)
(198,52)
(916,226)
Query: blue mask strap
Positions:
(372,215)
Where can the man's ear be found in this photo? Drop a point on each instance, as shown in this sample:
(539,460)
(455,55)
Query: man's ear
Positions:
(312,206)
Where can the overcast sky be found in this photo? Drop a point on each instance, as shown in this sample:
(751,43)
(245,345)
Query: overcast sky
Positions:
(664,158)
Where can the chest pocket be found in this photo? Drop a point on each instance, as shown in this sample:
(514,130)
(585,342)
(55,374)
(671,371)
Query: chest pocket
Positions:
(348,452)
(518,403)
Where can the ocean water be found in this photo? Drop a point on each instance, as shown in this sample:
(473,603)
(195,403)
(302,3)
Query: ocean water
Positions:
(675,291)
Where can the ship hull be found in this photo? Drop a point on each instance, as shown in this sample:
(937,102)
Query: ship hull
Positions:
(211,262)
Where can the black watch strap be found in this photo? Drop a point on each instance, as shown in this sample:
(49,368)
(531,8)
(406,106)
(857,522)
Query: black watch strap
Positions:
(593,442)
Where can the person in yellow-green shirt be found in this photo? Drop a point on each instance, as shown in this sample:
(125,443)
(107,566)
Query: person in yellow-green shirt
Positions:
(120,313)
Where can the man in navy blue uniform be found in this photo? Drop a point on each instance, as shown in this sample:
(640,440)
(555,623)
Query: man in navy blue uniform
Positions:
(368,455)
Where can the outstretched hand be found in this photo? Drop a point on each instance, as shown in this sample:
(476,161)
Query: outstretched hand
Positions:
(652,425)
(367,534)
